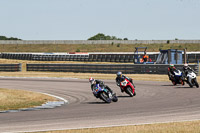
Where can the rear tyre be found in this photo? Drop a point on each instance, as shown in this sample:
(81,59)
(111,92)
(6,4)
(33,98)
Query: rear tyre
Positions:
(115,99)
(105,97)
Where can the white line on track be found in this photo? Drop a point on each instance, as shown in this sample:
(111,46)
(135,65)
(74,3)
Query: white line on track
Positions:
(62,99)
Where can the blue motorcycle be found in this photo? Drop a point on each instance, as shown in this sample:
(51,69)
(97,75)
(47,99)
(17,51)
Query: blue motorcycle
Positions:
(178,77)
(104,94)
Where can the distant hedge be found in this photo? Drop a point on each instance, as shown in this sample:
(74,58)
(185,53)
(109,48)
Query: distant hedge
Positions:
(6,38)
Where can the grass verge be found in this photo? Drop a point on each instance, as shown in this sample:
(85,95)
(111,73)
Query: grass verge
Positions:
(175,127)
(93,47)
(16,99)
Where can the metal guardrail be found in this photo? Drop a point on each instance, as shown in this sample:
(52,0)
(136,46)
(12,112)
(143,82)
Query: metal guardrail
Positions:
(106,68)
(45,57)
(10,67)
(192,58)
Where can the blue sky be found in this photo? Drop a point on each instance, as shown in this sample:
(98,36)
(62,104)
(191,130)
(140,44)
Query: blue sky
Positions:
(81,19)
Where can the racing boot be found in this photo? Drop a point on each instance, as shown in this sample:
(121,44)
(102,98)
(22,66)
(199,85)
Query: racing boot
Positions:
(122,90)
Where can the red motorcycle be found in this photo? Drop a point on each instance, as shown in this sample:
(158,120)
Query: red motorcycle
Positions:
(128,87)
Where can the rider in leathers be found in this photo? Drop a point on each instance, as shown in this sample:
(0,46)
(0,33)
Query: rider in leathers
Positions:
(121,78)
(101,84)
(186,69)
(171,70)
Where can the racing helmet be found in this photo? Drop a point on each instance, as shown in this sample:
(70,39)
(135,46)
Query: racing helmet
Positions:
(185,66)
(119,74)
(91,80)
(171,65)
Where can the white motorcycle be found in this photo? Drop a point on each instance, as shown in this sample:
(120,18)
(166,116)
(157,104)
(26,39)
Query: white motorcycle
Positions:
(191,79)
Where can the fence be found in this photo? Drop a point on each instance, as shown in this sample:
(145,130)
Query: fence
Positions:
(97,41)
(10,67)
(106,68)
(104,57)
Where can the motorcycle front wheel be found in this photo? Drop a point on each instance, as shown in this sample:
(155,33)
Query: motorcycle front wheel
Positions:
(105,97)
(190,84)
(129,91)
(196,83)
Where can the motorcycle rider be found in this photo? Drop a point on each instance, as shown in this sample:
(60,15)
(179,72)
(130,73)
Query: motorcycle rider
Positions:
(101,84)
(121,78)
(171,70)
(186,68)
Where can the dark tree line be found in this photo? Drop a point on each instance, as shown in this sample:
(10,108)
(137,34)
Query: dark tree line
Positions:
(101,36)
(6,38)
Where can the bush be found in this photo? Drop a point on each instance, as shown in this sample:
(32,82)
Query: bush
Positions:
(118,45)
(78,50)
(168,41)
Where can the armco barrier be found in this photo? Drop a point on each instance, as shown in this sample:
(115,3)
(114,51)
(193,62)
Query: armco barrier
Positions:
(10,67)
(105,68)
(92,57)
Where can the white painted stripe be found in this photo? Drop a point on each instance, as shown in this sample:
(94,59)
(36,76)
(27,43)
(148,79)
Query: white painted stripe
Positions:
(62,99)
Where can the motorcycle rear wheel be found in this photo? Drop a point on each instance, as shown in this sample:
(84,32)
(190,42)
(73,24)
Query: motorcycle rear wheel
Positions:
(115,99)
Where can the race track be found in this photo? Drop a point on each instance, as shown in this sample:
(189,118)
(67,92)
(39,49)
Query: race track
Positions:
(154,102)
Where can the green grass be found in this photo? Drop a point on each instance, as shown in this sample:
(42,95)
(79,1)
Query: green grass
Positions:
(93,47)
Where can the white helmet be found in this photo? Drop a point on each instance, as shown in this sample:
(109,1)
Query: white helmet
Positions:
(91,80)
(185,65)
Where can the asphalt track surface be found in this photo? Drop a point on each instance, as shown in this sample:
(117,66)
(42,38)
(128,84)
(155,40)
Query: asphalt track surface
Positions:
(155,102)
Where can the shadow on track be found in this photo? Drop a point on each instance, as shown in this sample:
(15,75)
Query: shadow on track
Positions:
(95,103)
(167,85)
(123,96)
(183,87)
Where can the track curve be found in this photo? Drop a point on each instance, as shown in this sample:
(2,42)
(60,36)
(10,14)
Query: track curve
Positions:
(155,102)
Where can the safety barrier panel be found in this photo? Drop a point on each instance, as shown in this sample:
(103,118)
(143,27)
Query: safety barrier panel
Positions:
(10,67)
(123,58)
(45,57)
(105,68)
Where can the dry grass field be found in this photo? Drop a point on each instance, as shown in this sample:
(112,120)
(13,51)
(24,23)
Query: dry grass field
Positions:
(17,99)
(175,127)
(93,47)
